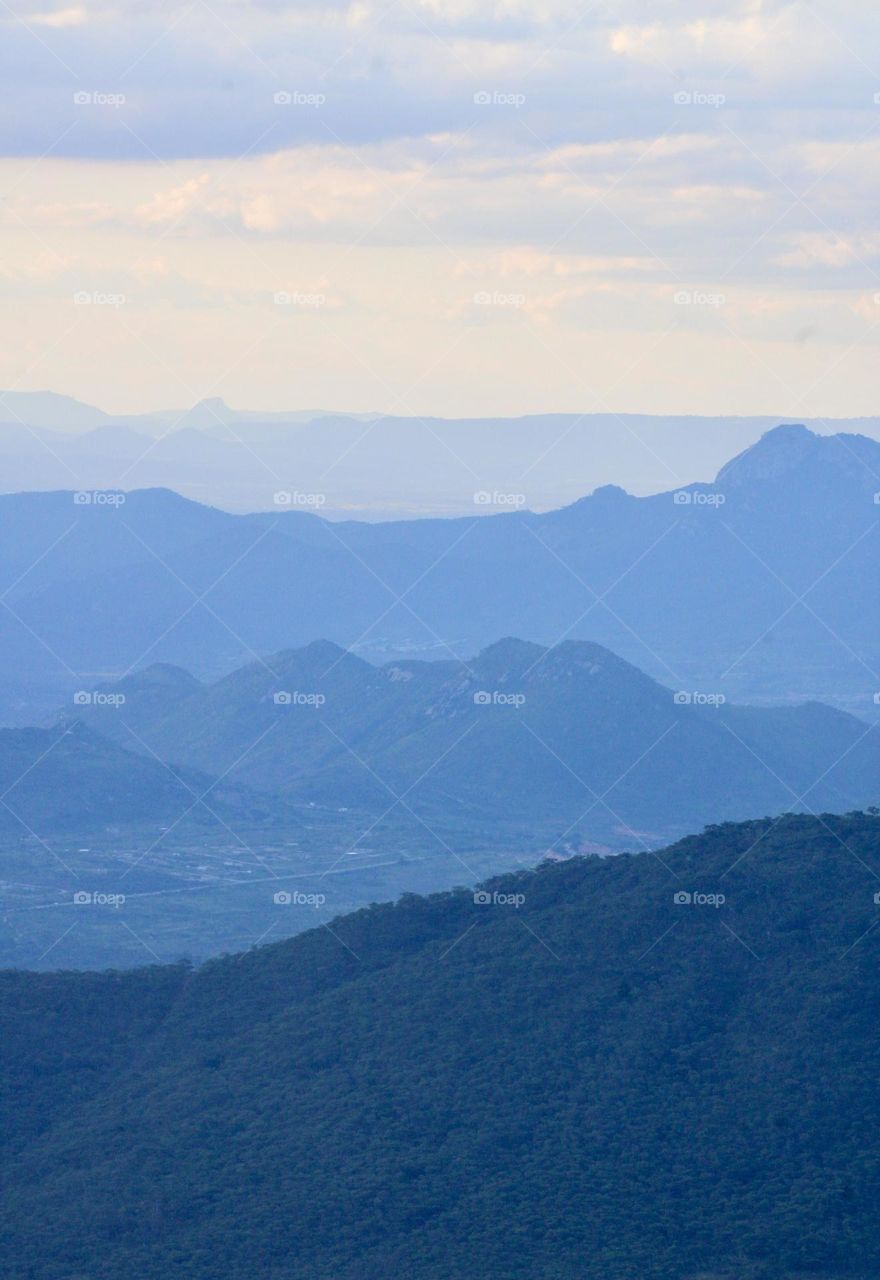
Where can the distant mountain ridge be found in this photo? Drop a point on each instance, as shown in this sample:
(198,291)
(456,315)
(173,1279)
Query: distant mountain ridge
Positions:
(50,410)
(56,412)
(520,732)
(366,465)
(763,585)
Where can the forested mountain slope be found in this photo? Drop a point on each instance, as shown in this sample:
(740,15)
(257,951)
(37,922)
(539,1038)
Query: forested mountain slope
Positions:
(580,1077)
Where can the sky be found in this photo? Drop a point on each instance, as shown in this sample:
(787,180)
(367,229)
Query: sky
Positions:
(442,207)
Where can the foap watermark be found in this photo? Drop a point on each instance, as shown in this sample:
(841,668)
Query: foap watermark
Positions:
(877,499)
(298,298)
(83,698)
(95,298)
(696,699)
(98,498)
(498,698)
(697,498)
(98,98)
(499,98)
(297,98)
(486,298)
(686,898)
(698,298)
(493,498)
(696,98)
(294,898)
(85,898)
(483,898)
(293,498)
(293,698)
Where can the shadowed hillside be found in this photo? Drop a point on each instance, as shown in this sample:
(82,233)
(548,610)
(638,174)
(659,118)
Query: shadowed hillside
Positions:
(574,1073)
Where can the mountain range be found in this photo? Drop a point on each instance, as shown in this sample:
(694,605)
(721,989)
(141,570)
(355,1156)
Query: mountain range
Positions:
(312,782)
(571,734)
(762,585)
(365,465)
(654,1066)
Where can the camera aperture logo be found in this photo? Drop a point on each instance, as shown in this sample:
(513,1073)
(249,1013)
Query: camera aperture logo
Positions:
(298,298)
(293,498)
(494,498)
(697,699)
(496,299)
(95,298)
(498,98)
(86,698)
(98,498)
(483,898)
(85,898)
(699,298)
(293,698)
(498,698)
(98,98)
(686,898)
(295,898)
(696,98)
(296,98)
(696,498)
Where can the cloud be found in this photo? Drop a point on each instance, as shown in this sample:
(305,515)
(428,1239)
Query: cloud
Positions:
(73,17)
(526,262)
(820,249)
(421,153)
(58,215)
(200,81)
(710,45)
(172,204)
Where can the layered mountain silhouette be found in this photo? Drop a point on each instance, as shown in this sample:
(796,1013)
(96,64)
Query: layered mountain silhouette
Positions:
(763,585)
(572,734)
(653,1066)
(368,464)
(70,779)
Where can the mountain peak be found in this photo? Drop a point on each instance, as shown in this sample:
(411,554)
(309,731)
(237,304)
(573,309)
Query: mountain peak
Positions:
(792,448)
(509,652)
(212,412)
(605,496)
(521,658)
(610,493)
(316,655)
(790,431)
(161,675)
(779,450)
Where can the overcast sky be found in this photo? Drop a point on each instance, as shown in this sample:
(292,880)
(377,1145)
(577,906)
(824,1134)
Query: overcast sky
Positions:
(452,207)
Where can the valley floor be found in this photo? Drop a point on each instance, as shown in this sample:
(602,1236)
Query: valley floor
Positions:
(121,900)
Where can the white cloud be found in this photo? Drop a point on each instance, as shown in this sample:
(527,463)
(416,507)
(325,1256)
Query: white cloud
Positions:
(828,249)
(174,203)
(581,183)
(705,45)
(72,17)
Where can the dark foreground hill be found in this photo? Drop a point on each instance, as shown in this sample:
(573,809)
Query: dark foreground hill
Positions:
(578,1079)
(571,734)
